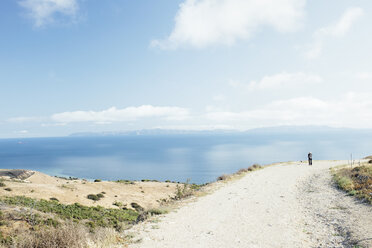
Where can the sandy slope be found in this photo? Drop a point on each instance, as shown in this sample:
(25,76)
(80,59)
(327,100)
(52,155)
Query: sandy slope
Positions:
(289,205)
(42,186)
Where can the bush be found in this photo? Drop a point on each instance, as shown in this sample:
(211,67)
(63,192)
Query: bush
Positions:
(96,197)
(53,199)
(118,204)
(2,184)
(137,207)
(8,189)
(241,171)
(156,211)
(256,166)
(97,180)
(100,195)
(223,177)
(183,192)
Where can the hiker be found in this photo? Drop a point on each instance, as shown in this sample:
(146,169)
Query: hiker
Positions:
(310,157)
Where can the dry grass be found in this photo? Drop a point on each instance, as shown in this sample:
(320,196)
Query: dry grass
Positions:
(239,173)
(21,228)
(356,181)
(67,236)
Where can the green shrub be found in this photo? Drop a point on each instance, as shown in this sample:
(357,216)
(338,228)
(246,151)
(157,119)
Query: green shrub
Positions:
(97,180)
(53,199)
(2,184)
(8,189)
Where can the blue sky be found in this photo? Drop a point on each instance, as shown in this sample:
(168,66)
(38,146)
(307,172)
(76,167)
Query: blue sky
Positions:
(86,65)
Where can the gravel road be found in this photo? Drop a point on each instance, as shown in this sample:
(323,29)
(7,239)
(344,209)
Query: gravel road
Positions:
(286,205)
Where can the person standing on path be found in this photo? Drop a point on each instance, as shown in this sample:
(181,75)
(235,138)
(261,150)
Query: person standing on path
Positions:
(310,158)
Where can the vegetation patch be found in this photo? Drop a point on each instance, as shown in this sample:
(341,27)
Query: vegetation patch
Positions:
(100,216)
(148,180)
(125,181)
(356,181)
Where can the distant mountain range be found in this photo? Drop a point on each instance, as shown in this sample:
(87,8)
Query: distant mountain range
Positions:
(265,130)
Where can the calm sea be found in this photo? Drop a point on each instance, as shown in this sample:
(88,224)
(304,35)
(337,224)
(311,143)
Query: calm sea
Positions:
(200,157)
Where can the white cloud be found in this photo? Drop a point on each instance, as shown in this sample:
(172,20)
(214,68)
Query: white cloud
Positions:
(350,110)
(280,80)
(43,11)
(24,119)
(21,132)
(200,23)
(119,115)
(338,29)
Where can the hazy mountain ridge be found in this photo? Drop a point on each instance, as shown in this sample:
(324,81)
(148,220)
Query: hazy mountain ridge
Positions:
(264,130)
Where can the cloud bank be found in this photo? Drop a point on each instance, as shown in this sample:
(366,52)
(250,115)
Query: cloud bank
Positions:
(349,110)
(200,23)
(121,115)
(279,81)
(44,11)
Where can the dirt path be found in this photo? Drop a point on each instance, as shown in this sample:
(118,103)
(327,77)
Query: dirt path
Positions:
(289,205)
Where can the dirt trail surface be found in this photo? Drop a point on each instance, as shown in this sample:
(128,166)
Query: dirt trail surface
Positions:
(287,205)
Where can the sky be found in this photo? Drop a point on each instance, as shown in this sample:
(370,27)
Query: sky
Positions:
(70,66)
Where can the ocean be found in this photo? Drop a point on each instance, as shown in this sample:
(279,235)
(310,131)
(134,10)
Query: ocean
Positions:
(177,157)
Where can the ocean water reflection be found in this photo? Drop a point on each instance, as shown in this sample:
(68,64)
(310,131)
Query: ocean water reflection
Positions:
(200,158)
